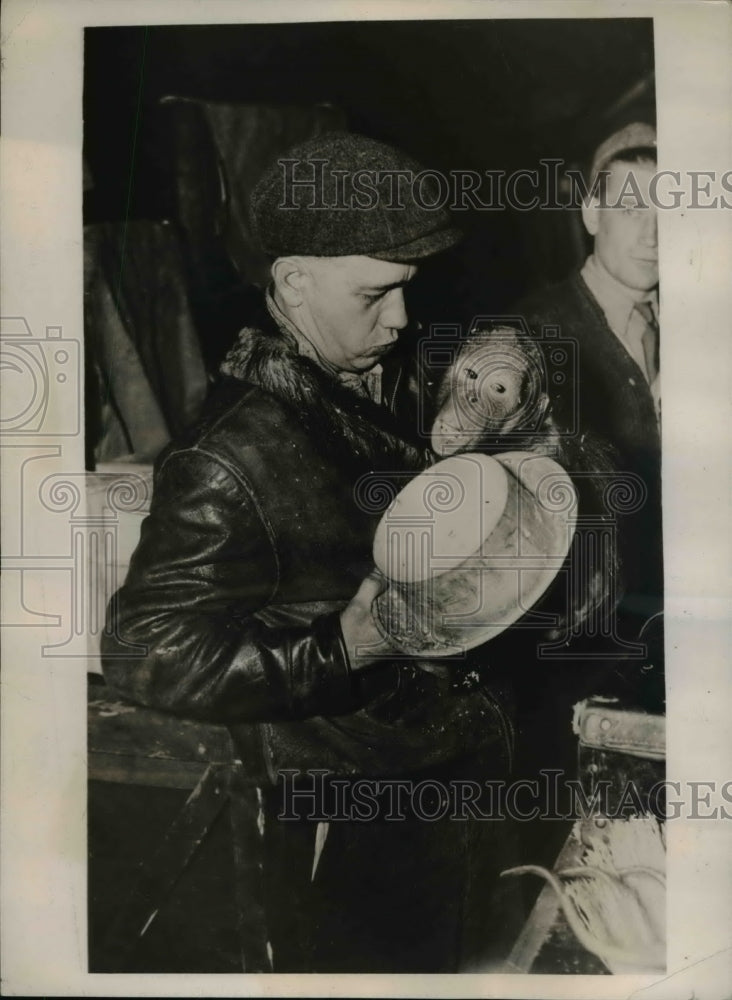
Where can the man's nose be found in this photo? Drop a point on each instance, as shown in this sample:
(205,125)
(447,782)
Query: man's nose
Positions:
(394,314)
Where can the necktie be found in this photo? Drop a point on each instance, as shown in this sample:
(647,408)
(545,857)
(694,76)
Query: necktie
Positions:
(649,339)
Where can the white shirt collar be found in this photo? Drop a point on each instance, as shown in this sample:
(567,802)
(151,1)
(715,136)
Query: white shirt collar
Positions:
(614,298)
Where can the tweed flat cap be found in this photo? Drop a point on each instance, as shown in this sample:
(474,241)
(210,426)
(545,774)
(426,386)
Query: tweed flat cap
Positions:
(342,194)
(633,136)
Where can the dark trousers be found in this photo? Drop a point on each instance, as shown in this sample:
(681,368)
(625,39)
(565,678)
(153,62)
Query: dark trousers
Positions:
(399,895)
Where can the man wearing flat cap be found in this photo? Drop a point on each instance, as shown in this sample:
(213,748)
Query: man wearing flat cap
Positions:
(252,586)
(610,309)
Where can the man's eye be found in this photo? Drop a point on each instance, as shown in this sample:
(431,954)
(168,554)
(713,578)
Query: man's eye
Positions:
(373,297)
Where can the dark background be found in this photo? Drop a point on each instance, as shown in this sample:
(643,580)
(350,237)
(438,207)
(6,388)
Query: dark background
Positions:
(455,94)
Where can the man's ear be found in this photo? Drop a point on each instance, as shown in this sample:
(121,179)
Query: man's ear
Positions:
(591,216)
(288,274)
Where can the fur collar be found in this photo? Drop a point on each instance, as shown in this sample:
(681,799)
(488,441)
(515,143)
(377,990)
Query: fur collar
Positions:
(343,425)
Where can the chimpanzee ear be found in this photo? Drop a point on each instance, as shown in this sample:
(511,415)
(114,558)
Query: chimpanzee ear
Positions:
(541,409)
(527,422)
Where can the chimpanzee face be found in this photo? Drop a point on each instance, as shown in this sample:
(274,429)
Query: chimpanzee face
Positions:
(490,387)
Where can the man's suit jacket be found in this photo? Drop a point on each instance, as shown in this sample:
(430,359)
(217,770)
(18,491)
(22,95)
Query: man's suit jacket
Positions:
(607,393)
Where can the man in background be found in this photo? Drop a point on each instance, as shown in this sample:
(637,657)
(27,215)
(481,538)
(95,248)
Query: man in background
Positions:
(609,308)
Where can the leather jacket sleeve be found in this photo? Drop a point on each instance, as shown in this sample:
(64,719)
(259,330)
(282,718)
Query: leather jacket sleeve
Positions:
(184,635)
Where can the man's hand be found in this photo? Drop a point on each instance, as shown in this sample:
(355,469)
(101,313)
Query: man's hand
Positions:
(364,640)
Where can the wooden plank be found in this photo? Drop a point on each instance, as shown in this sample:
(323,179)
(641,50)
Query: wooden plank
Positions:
(247,828)
(159,874)
(124,770)
(119,727)
(543,916)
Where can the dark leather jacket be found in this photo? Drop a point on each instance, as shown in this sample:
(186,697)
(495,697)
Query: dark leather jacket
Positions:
(259,533)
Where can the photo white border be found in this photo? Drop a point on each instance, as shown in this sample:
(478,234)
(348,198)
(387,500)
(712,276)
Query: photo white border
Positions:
(43,875)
